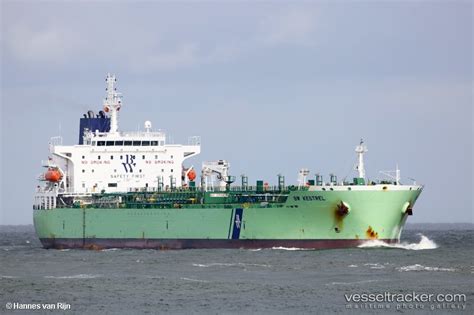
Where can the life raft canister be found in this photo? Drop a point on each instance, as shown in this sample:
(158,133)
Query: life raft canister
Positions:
(192,175)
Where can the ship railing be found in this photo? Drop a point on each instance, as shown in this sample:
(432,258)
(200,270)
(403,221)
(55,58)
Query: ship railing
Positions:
(194,140)
(54,141)
(44,200)
(143,134)
(47,163)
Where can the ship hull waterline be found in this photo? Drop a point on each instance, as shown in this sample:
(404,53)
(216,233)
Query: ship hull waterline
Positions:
(171,244)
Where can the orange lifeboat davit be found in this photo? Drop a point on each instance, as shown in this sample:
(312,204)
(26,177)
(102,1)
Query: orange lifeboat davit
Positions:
(192,175)
(53,175)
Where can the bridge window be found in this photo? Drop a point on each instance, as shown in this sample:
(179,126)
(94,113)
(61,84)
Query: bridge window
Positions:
(137,143)
(118,142)
(83,171)
(112,185)
(100,143)
(155,143)
(109,143)
(127,143)
(145,143)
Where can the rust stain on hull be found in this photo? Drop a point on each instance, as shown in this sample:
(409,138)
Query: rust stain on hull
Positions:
(371,234)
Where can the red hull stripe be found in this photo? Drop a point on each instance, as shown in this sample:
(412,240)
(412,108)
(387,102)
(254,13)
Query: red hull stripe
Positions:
(101,243)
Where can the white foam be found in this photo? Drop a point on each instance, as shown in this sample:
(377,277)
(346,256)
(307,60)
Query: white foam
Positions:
(110,249)
(230,265)
(355,282)
(290,248)
(352,266)
(193,280)
(418,267)
(425,243)
(374,266)
(80,276)
(8,277)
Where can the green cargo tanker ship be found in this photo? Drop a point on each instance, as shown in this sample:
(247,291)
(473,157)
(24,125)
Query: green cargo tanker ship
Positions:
(131,190)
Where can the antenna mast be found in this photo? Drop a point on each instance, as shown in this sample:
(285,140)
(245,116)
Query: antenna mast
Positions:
(360,150)
(112,102)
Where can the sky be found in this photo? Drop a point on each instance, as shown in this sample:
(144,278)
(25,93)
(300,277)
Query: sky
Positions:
(270,86)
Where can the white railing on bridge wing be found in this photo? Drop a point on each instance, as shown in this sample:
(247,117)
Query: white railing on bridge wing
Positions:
(58,140)
(194,140)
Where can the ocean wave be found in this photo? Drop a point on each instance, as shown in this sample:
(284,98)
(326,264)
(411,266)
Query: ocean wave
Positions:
(194,280)
(79,276)
(109,249)
(7,277)
(290,248)
(230,265)
(424,243)
(355,282)
(418,267)
(374,266)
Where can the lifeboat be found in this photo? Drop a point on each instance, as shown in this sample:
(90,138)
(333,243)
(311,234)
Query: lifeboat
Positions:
(192,175)
(53,175)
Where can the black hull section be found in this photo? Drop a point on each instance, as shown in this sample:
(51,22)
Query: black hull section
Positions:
(98,244)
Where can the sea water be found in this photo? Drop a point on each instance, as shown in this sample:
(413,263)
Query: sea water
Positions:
(430,259)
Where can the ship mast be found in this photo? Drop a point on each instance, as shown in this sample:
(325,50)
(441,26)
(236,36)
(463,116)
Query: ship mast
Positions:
(112,102)
(360,150)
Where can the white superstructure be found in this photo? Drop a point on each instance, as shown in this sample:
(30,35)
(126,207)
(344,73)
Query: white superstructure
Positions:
(116,161)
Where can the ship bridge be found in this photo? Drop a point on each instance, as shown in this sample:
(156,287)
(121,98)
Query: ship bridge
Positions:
(109,160)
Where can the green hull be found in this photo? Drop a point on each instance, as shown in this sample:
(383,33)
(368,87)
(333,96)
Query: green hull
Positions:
(307,219)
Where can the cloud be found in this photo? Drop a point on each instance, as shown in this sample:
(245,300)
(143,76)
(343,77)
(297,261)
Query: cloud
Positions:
(183,55)
(296,26)
(49,44)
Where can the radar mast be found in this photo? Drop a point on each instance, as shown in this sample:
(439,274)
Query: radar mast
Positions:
(112,102)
